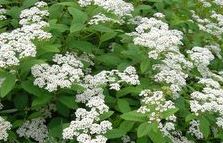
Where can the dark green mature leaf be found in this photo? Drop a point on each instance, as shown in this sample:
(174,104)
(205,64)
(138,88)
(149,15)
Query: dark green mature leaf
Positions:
(41,100)
(134,116)
(123,105)
(8,84)
(107,36)
(68,101)
(32,89)
(20,101)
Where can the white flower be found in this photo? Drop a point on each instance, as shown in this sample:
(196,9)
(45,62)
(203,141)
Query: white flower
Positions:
(18,44)
(154,104)
(66,71)
(194,129)
(35,129)
(2,12)
(118,7)
(4,127)
(101,18)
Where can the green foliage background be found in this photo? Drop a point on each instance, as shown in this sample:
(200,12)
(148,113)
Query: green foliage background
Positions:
(113,50)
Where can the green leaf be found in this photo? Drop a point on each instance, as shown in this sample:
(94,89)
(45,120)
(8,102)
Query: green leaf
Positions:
(8,84)
(32,89)
(115,133)
(68,101)
(83,46)
(26,65)
(144,66)
(106,115)
(169,112)
(41,100)
(155,134)
(134,116)
(107,36)
(109,59)
(123,105)
(20,101)
(126,126)
(143,129)
(204,126)
(55,127)
(78,15)
(190,117)
(76,27)
(129,90)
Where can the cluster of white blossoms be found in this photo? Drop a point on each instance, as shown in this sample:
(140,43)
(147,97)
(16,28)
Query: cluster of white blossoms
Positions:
(101,18)
(4,127)
(66,71)
(194,129)
(169,130)
(212,25)
(207,3)
(47,111)
(201,57)
(118,7)
(154,104)
(219,122)
(127,139)
(113,78)
(210,99)
(18,43)
(87,127)
(163,43)
(2,13)
(35,129)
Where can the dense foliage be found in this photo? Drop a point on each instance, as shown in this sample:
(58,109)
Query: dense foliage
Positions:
(97,71)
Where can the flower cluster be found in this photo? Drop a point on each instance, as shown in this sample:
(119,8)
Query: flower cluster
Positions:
(209,100)
(101,18)
(114,78)
(118,7)
(163,43)
(194,129)
(87,127)
(207,3)
(212,25)
(35,129)
(2,12)
(66,71)
(4,127)
(127,139)
(201,58)
(18,43)
(154,104)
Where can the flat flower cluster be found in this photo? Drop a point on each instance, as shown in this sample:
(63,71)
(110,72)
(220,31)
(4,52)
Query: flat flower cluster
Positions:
(97,56)
(18,44)
(66,70)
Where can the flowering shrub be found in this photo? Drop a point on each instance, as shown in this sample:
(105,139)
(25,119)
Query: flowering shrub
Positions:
(115,71)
